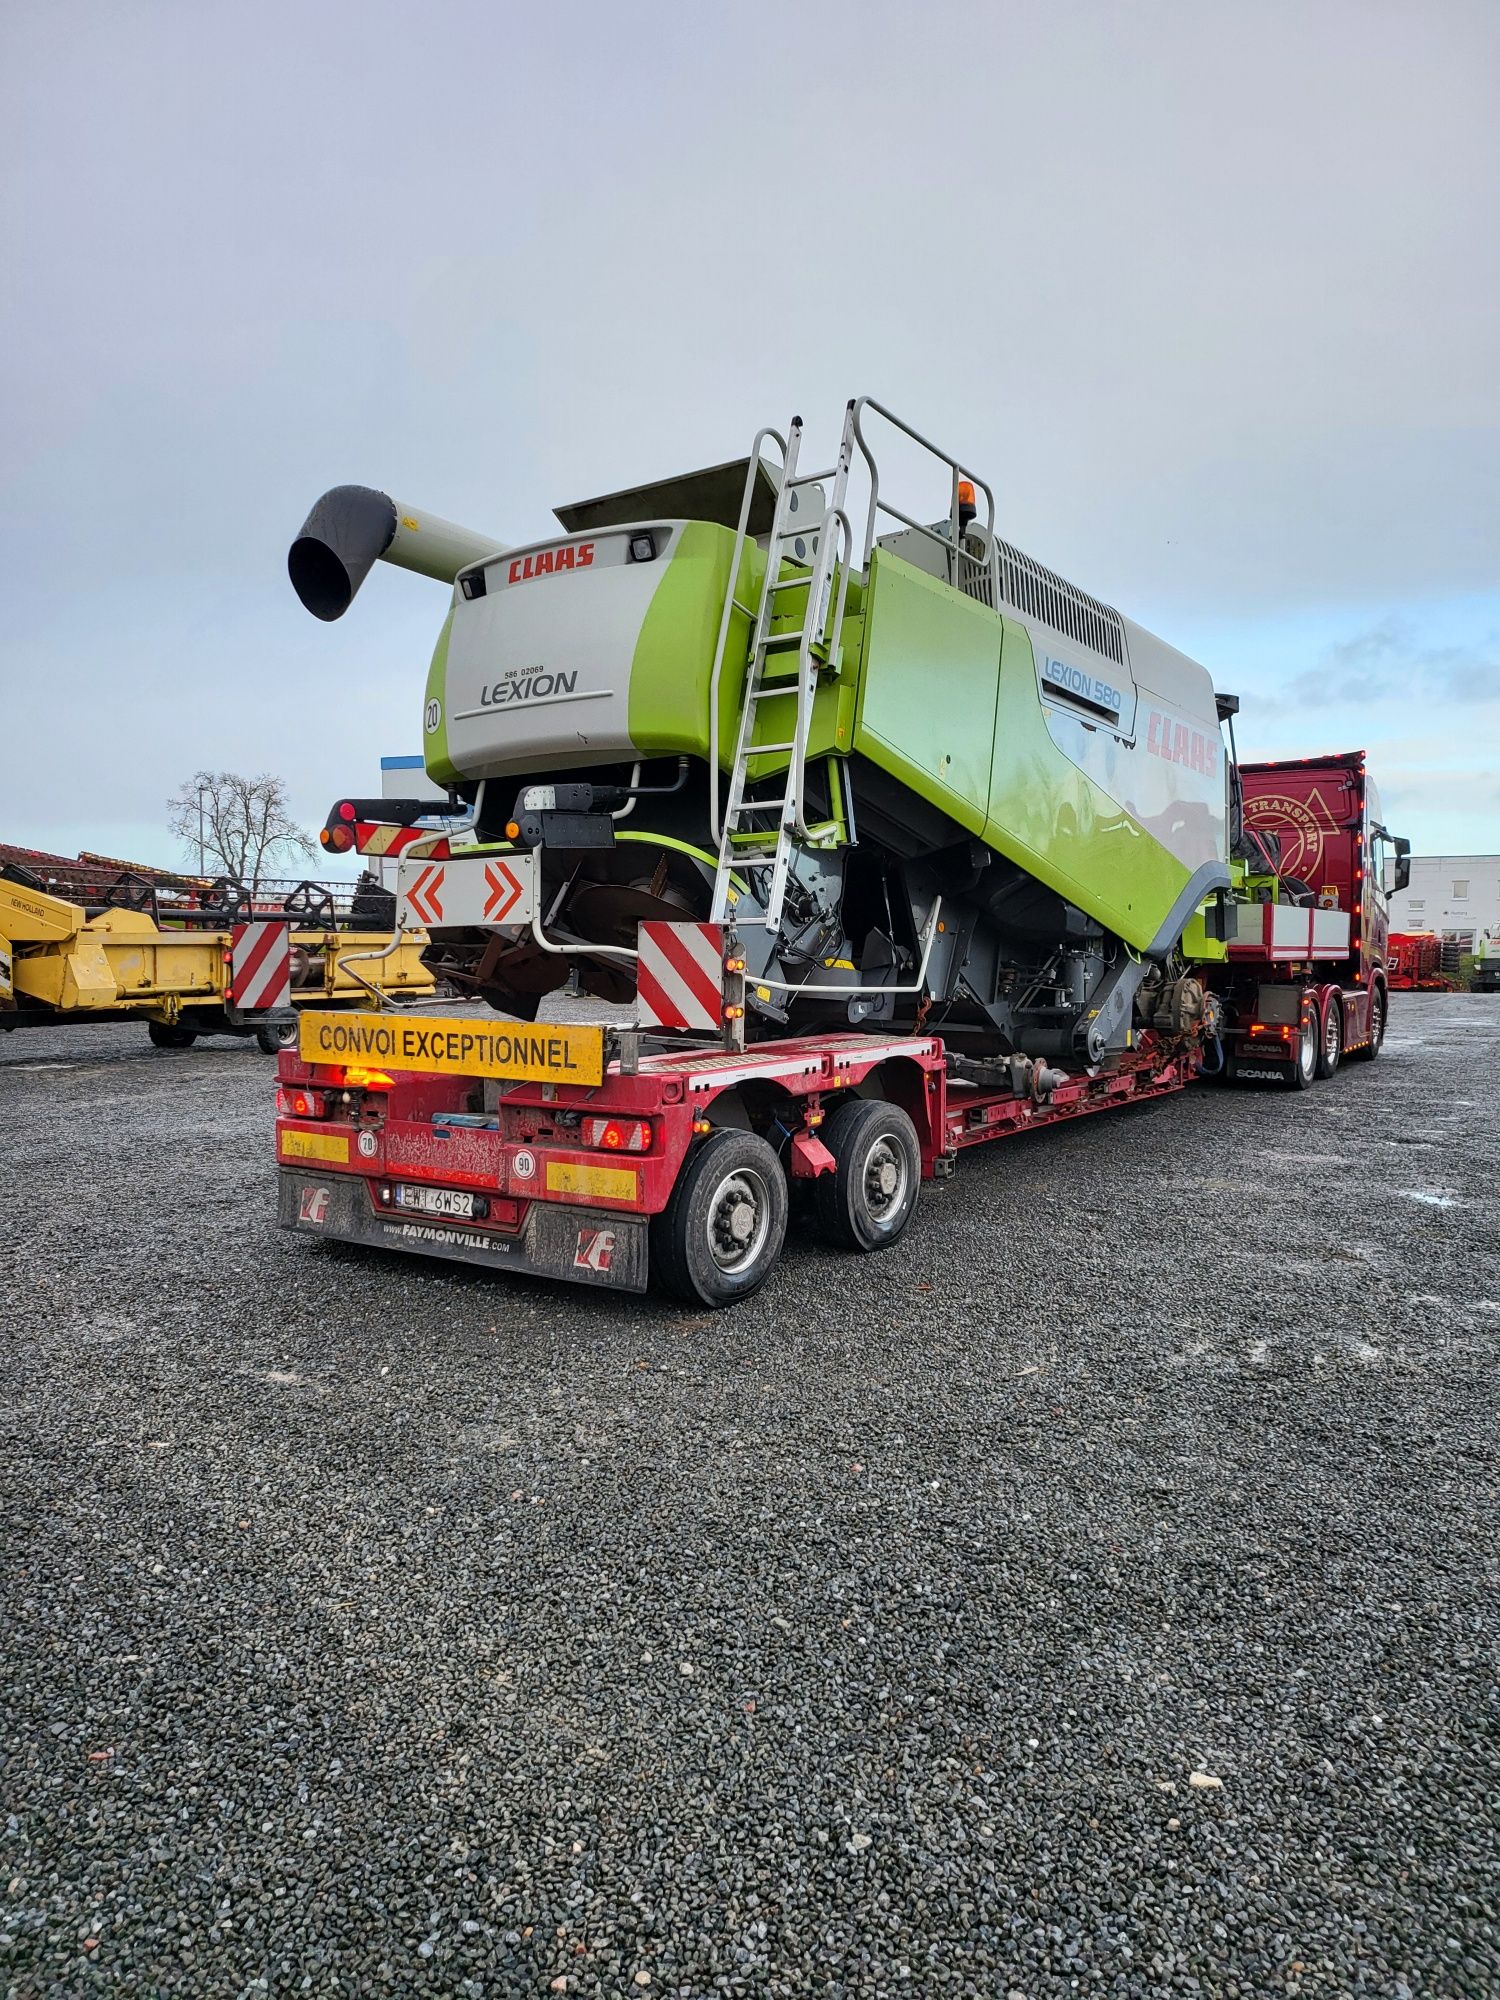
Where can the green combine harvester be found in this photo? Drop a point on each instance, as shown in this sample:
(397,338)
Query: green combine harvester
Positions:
(927,781)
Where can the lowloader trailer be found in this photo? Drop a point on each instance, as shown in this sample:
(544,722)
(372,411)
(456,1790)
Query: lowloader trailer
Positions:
(897,842)
(605,1156)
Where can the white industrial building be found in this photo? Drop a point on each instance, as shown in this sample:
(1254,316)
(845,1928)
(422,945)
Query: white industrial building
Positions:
(1456,895)
(404,778)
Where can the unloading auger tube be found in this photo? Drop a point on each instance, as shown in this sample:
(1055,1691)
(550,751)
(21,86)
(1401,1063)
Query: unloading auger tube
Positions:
(931,722)
(353,527)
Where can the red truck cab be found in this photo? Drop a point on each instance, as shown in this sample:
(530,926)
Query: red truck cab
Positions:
(1304,984)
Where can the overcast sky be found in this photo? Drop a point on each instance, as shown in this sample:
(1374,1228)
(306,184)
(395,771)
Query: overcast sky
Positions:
(1210,291)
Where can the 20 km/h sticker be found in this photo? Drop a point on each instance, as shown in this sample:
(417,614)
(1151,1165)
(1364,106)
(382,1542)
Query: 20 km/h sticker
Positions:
(430,1044)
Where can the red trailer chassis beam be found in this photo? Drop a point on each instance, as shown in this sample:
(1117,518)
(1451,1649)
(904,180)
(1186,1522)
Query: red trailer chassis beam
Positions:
(974,1115)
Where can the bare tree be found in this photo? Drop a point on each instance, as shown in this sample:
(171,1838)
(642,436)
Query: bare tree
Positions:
(234,825)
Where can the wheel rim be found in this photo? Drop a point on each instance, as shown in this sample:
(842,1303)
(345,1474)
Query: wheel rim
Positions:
(1308,1053)
(884,1181)
(1333,1035)
(739,1221)
(1377,1028)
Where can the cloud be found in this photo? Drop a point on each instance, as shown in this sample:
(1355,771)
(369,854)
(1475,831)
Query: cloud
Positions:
(1388,660)
(1158,345)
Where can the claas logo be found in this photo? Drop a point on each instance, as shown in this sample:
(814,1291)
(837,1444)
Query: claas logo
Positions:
(548,562)
(1179,744)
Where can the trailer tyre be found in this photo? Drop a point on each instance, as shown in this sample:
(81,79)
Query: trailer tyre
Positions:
(1331,1039)
(866,1202)
(271,1041)
(720,1234)
(1379,1010)
(164,1036)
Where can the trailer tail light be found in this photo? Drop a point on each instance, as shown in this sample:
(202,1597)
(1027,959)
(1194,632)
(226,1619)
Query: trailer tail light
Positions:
(301,1104)
(367,1079)
(339,834)
(618,1135)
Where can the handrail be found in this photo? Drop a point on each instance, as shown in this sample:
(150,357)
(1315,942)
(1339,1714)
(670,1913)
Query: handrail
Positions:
(929,932)
(578,950)
(822,634)
(767,431)
(954,543)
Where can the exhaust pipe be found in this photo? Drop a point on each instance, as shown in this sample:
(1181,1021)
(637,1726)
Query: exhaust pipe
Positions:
(353,527)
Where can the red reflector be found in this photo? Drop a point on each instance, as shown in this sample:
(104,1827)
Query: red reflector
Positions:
(618,1135)
(301,1104)
(346,811)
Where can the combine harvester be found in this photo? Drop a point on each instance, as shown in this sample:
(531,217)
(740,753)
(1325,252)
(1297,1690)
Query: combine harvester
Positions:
(898,842)
(1485,976)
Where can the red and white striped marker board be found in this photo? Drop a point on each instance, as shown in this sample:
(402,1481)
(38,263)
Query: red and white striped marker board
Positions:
(679,980)
(260,966)
(379,837)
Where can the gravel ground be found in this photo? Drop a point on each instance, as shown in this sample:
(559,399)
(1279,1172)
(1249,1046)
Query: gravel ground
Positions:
(377,1628)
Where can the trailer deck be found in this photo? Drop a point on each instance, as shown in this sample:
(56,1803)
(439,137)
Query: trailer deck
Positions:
(459,1156)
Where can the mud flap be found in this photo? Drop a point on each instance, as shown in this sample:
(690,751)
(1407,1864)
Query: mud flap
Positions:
(586,1246)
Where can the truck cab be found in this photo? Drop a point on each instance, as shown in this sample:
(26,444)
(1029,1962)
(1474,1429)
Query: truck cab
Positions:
(1304,982)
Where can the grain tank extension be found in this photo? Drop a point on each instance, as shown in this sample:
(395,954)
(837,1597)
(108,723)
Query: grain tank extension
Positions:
(927,781)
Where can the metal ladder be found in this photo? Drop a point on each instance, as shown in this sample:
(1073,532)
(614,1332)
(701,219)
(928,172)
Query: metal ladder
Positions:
(745,840)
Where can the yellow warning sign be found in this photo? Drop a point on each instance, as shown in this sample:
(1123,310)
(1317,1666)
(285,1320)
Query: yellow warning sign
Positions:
(455,1046)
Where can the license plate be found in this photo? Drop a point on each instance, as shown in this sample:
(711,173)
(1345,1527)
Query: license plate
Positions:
(441,1201)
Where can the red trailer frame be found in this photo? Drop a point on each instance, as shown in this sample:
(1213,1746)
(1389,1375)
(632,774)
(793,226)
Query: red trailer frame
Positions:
(578,1182)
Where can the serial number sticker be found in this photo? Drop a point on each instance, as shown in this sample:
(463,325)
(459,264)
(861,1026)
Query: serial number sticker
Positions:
(610,1183)
(315,1146)
(439,1047)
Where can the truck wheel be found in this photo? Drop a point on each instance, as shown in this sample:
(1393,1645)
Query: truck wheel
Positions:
(1331,1042)
(866,1202)
(1379,1007)
(720,1234)
(271,1041)
(165,1037)
(1302,1070)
